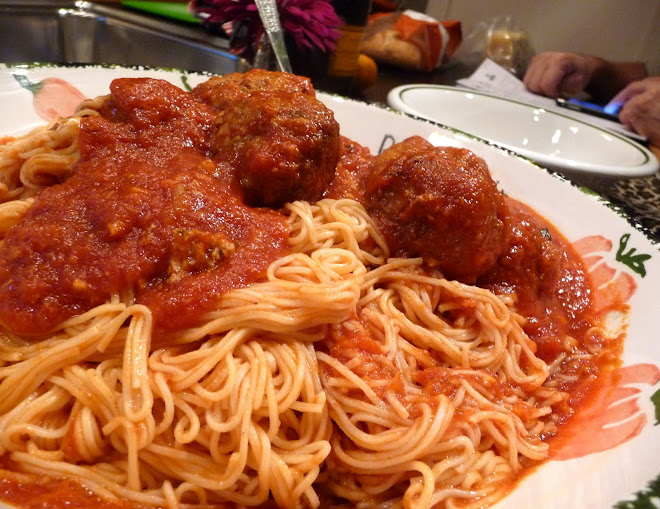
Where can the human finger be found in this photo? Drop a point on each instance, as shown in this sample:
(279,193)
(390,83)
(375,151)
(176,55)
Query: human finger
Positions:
(544,76)
(641,113)
(554,73)
(627,93)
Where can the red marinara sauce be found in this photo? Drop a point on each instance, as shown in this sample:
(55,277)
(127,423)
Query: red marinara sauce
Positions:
(35,492)
(146,210)
(551,285)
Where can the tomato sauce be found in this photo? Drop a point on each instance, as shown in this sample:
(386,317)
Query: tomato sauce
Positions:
(33,492)
(351,172)
(551,285)
(146,210)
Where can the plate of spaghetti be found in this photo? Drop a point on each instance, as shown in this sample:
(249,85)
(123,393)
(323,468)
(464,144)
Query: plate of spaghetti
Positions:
(236,291)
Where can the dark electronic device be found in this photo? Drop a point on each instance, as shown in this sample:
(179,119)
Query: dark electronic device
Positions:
(587,107)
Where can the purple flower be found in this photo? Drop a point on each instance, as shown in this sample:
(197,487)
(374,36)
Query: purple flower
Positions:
(310,23)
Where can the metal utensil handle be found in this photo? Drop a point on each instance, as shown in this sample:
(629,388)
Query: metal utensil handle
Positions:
(271,21)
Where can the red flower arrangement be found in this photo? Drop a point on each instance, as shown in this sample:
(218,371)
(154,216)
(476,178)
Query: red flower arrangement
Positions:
(311,24)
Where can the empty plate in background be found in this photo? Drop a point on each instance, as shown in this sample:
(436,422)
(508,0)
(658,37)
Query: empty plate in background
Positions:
(556,141)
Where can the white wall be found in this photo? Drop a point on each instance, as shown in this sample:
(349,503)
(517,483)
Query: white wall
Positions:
(612,29)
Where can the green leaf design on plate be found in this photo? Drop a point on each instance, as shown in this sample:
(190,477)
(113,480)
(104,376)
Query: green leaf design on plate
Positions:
(186,85)
(26,83)
(655,399)
(648,498)
(630,259)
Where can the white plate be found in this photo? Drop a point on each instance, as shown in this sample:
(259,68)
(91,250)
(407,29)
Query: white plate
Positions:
(599,480)
(551,139)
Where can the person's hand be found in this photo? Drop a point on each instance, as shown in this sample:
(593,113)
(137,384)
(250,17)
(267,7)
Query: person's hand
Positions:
(554,73)
(641,108)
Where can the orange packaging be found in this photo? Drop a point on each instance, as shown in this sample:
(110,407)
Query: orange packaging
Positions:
(453,27)
(426,35)
(411,40)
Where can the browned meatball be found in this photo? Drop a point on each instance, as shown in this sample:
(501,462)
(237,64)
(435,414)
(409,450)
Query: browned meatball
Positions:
(439,203)
(221,91)
(282,142)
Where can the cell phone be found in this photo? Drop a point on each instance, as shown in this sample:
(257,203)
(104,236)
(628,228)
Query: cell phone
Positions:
(587,107)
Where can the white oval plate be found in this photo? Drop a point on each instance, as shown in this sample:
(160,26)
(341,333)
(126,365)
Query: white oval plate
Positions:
(599,480)
(551,139)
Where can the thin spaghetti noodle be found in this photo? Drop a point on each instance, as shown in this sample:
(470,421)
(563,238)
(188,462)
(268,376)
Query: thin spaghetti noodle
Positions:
(348,369)
(42,157)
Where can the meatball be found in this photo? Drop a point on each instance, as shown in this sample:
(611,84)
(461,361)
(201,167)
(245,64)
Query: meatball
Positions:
(439,203)
(222,91)
(282,142)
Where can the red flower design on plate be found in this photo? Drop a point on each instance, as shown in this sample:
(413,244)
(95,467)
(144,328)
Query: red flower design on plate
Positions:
(53,97)
(613,287)
(613,418)
(613,415)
